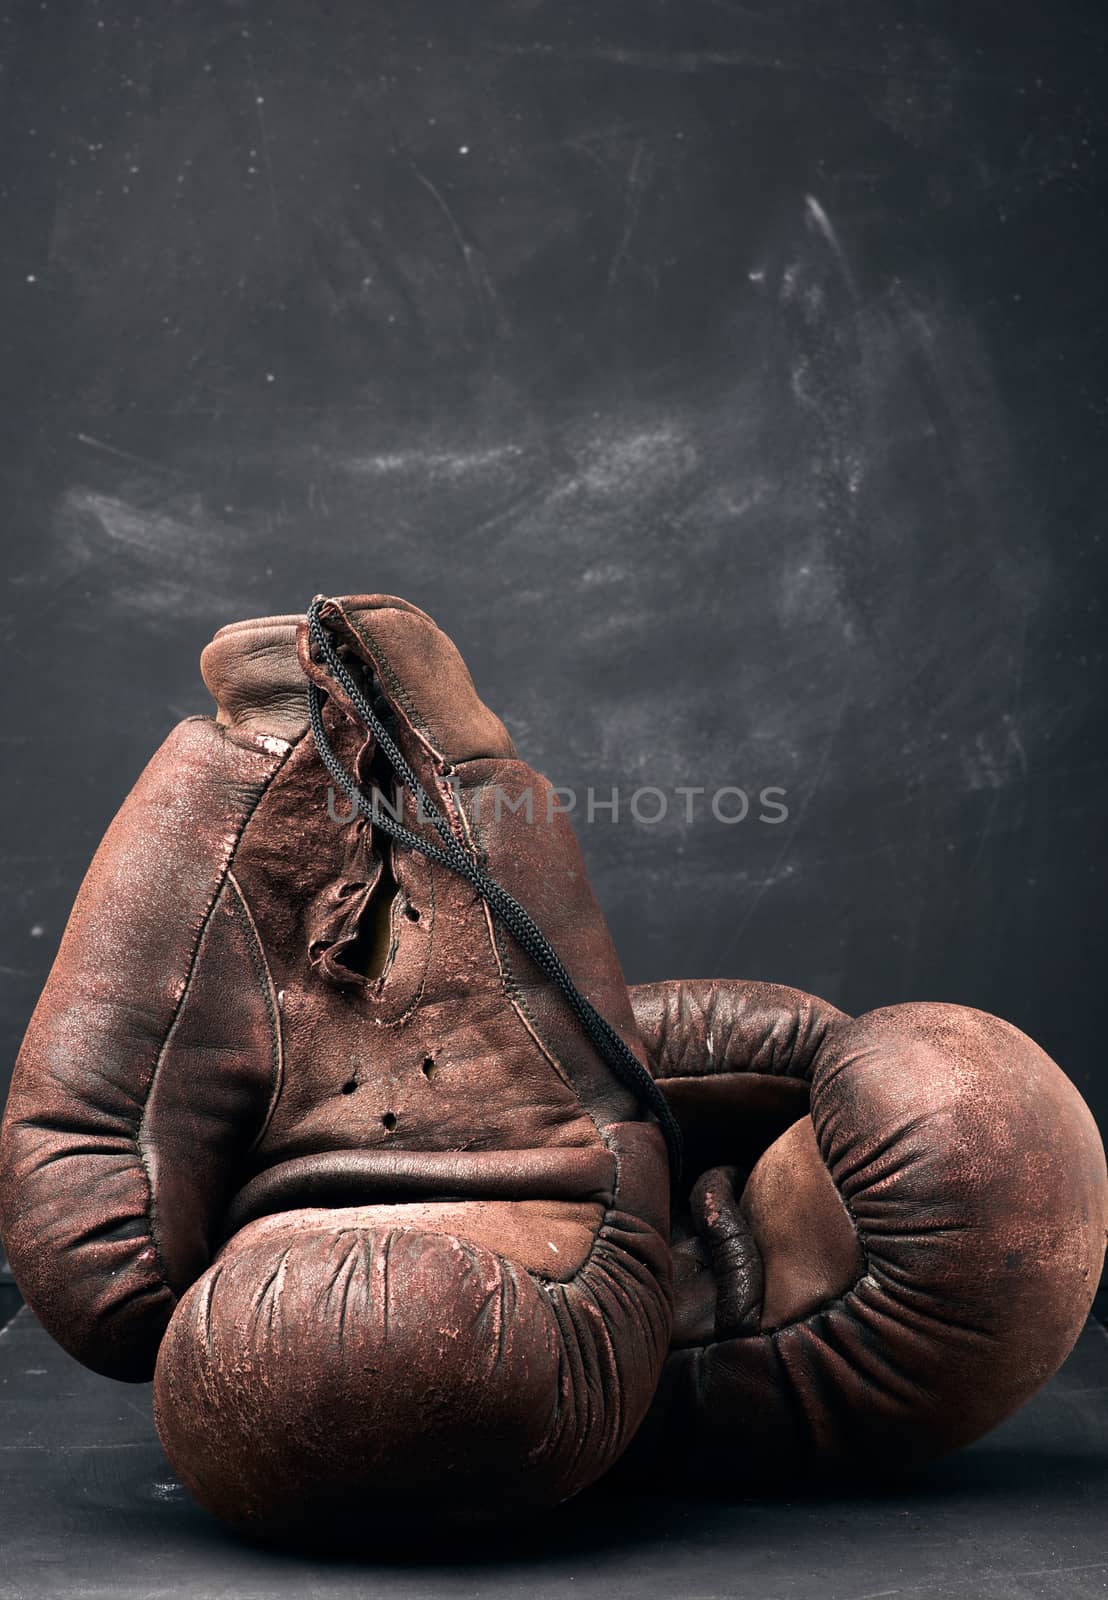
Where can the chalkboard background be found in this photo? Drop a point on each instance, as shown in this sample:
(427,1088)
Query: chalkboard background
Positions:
(728,379)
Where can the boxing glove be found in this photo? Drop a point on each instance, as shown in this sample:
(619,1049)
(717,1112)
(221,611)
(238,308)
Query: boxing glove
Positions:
(888,1236)
(312,1121)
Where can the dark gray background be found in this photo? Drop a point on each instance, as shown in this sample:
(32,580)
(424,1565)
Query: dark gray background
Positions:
(728,379)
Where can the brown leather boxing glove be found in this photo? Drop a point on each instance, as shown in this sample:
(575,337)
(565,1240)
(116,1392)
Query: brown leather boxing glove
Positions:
(300,1121)
(889,1234)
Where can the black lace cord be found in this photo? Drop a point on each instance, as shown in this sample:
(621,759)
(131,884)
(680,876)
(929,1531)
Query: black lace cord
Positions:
(507,910)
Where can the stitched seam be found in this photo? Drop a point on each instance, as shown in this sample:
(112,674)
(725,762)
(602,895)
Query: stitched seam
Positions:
(137,1137)
(399,693)
(260,964)
(519,1005)
(516,999)
(512,992)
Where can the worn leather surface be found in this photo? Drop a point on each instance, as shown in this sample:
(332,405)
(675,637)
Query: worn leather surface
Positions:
(297,1126)
(890,1231)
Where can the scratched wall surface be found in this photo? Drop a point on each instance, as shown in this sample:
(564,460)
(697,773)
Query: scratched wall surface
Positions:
(728,379)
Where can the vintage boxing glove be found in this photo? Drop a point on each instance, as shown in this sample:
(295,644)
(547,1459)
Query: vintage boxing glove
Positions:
(299,1119)
(888,1236)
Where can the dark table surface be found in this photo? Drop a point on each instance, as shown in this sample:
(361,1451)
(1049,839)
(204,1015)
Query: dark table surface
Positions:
(89,1507)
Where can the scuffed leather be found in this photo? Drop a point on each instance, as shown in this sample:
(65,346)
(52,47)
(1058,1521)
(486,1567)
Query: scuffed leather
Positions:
(343,1168)
(149,1063)
(903,1300)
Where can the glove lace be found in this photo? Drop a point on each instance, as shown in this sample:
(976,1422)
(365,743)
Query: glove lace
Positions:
(453,854)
